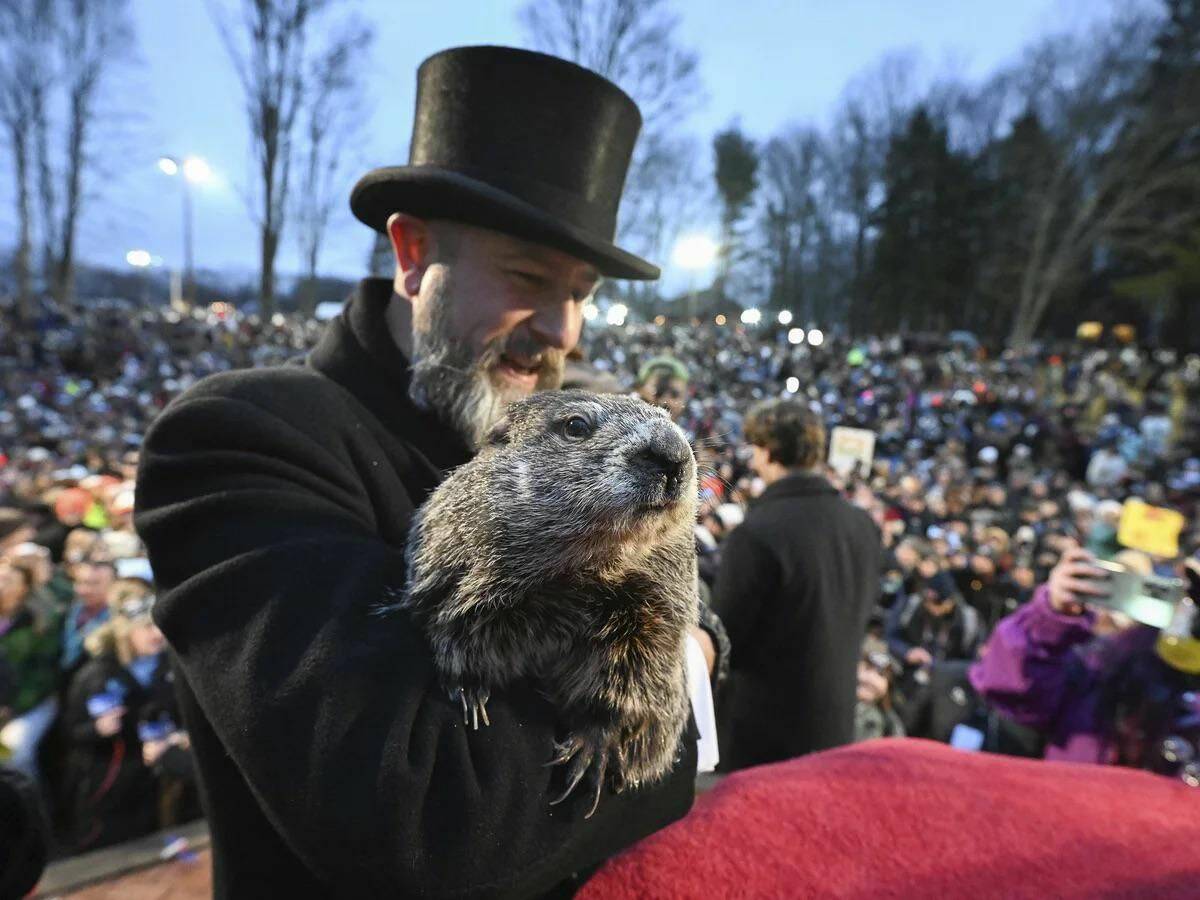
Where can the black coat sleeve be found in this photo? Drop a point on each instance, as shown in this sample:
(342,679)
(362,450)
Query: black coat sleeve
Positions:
(748,577)
(270,569)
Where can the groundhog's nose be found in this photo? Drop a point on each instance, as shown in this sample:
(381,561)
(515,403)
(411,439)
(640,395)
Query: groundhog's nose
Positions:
(663,459)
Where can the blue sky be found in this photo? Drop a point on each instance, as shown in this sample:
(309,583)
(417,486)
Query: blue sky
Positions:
(766,62)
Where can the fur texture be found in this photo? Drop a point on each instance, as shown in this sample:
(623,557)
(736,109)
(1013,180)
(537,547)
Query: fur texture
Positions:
(564,552)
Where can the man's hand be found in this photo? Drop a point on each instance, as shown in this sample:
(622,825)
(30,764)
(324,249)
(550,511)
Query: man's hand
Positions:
(110,723)
(706,646)
(918,656)
(1073,580)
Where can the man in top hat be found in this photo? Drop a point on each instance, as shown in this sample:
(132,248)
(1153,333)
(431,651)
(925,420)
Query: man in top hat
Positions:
(275,504)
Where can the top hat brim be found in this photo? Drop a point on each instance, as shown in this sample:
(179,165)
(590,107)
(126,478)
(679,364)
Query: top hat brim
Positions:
(431,192)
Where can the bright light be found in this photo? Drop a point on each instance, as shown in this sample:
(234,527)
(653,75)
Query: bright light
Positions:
(138,258)
(751,316)
(695,251)
(785,317)
(590,312)
(617,313)
(796,336)
(720,319)
(660,320)
(196,170)
(168,166)
(792,384)
(816,337)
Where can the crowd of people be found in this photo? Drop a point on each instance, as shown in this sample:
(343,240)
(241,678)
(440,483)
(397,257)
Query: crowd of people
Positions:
(987,469)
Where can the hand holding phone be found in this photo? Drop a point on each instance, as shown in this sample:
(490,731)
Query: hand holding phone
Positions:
(1076,579)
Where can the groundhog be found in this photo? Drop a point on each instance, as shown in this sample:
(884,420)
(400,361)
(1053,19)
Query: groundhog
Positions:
(564,552)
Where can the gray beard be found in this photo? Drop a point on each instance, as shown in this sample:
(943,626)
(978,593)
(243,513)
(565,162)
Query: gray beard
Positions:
(451,382)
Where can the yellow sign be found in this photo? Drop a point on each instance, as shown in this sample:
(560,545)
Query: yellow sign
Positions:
(1151,529)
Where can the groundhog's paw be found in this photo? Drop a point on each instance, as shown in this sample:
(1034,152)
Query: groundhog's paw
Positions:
(592,753)
(474,700)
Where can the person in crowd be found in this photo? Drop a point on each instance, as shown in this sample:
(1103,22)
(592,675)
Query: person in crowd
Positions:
(1113,699)
(15,529)
(1107,468)
(663,381)
(874,715)
(798,580)
(932,629)
(330,765)
(934,623)
(30,644)
(88,611)
(120,717)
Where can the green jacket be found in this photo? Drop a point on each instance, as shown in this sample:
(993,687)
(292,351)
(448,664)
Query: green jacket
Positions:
(30,648)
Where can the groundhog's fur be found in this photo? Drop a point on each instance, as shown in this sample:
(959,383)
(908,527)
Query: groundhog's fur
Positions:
(564,551)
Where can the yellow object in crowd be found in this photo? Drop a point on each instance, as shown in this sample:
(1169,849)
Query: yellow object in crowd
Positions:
(1176,646)
(1151,529)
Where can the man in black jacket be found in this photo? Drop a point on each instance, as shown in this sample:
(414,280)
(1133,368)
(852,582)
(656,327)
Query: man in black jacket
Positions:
(797,583)
(275,504)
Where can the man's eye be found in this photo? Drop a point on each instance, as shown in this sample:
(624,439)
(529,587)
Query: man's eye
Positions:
(577,428)
(529,278)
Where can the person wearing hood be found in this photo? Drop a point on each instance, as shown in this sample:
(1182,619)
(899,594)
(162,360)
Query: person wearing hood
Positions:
(122,693)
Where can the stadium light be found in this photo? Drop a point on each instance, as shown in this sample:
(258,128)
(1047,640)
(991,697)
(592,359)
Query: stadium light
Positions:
(792,384)
(751,316)
(796,336)
(816,337)
(590,312)
(139,259)
(196,170)
(617,313)
(720,319)
(785,317)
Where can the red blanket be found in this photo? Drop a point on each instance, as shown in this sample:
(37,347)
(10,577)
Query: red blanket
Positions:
(908,818)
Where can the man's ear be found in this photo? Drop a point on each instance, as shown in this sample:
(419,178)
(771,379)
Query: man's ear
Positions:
(499,433)
(412,245)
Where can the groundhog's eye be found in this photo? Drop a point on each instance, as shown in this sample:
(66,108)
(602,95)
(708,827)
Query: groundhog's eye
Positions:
(577,428)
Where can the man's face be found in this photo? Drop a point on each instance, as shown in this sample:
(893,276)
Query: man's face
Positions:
(760,459)
(665,391)
(492,322)
(91,585)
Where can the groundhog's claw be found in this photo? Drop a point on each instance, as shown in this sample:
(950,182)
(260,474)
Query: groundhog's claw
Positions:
(474,705)
(586,757)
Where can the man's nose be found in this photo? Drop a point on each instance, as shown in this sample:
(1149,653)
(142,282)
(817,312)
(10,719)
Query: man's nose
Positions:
(557,324)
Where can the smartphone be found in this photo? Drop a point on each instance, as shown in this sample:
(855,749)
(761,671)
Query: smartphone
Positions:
(1149,599)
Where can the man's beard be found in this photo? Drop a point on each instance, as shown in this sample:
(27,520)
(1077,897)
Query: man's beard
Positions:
(448,379)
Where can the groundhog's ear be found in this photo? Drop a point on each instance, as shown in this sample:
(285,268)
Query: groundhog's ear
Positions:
(499,433)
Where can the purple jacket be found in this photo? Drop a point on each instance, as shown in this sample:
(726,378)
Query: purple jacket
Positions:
(1031,671)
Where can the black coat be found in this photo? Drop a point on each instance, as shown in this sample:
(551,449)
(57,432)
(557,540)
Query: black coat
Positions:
(275,504)
(797,584)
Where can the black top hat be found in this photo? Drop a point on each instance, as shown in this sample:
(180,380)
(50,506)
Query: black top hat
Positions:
(520,142)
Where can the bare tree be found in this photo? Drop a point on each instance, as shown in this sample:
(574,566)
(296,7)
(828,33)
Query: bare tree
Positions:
(92,36)
(24,30)
(267,46)
(792,184)
(1115,157)
(634,44)
(874,106)
(17,114)
(331,116)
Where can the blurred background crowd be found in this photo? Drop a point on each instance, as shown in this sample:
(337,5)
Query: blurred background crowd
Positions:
(986,469)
